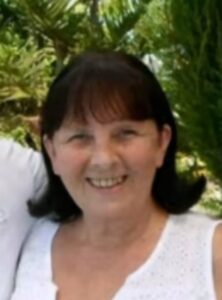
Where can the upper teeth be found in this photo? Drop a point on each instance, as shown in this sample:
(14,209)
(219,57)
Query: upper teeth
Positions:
(108,182)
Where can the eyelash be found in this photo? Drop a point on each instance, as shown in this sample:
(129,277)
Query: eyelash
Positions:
(79,137)
(121,134)
(129,131)
(126,133)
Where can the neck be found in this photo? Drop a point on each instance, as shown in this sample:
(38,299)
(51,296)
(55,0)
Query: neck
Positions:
(119,232)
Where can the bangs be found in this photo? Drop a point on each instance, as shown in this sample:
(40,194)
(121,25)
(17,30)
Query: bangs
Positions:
(107,95)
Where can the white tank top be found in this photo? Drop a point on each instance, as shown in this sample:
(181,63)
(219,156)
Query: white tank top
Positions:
(180,268)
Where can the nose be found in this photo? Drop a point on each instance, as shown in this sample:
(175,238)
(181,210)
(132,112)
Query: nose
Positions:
(104,155)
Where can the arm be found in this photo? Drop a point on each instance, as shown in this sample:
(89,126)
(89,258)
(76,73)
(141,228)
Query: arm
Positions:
(217,261)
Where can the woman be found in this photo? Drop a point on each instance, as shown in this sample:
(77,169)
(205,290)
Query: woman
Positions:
(109,141)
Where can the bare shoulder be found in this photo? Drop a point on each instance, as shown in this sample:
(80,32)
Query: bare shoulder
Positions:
(217,260)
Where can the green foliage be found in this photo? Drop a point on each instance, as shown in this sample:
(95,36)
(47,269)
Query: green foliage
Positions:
(59,21)
(119,19)
(24,75)
(197,72)
(187,36)
(24,72)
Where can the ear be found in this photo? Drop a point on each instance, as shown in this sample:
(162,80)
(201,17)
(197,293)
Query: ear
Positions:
(51,151)
(164,141)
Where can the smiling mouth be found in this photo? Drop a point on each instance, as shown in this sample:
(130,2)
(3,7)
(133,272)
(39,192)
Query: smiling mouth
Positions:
(106,182)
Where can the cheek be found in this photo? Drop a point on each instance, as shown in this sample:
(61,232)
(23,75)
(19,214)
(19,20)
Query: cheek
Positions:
(143,167)
(69,163)
(144,158)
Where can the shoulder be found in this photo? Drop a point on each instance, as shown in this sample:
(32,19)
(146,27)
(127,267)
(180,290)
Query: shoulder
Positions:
(9,148)
(13,152)
(195,220)
(196,229)
(217,259)
(21,162)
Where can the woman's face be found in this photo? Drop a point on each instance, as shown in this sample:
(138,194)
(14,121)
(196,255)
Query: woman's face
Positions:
(108,168)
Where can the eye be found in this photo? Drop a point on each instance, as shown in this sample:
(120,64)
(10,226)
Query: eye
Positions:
(127,133)
(79,137)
